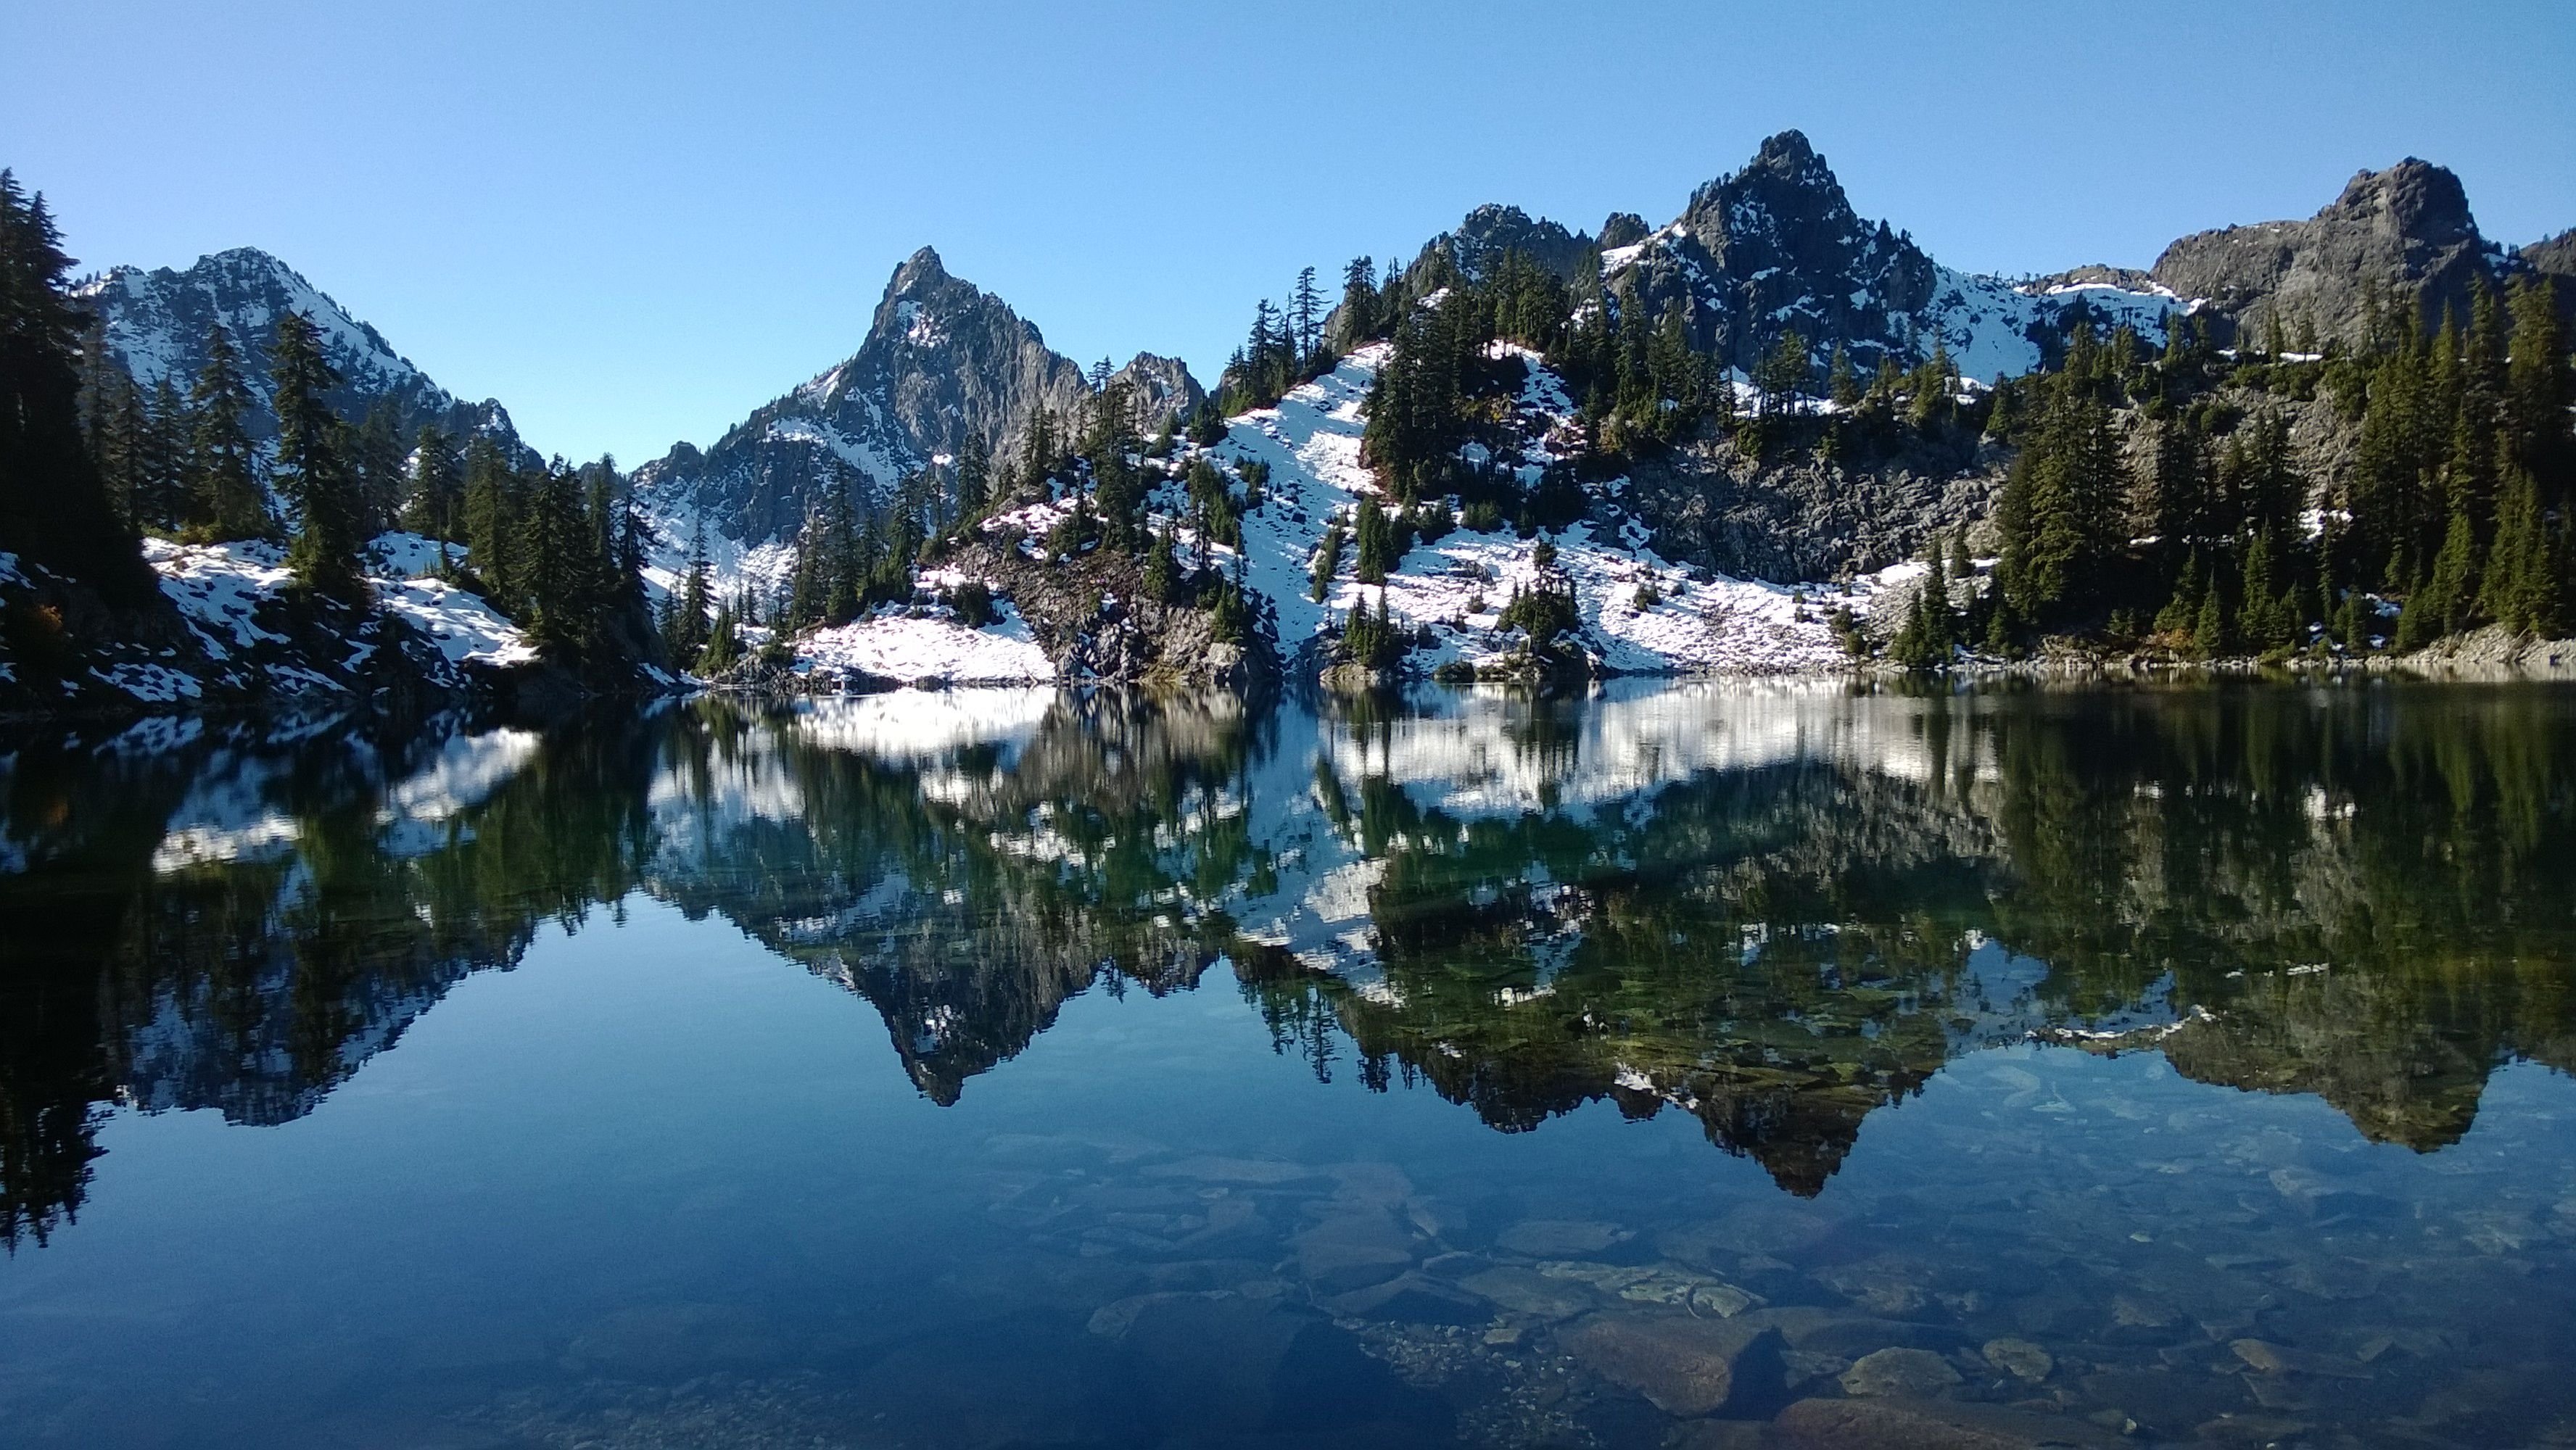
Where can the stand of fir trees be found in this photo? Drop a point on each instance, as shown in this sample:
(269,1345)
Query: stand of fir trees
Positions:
(56,512)
(2166,486)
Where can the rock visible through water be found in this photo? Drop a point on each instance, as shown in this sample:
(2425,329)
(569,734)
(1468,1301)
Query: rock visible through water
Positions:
(1685,1366)
(1558,1238)
(1897,1424)
(2020,1358)
(1915,1372)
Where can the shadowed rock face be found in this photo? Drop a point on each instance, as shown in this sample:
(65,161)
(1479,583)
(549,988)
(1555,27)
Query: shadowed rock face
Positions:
(1778,238)
(1490,231)
(2555,257)
(946,366)
(2408,227)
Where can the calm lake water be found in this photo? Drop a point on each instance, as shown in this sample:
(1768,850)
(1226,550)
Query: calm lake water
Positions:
(1699,1065)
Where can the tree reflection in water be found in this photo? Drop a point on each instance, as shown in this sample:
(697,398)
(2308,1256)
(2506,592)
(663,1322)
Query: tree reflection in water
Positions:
(1776,909)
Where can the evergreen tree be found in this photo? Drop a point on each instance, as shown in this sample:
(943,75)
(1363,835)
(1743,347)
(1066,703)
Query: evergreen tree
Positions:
(163,457)
(1162,571)
(1306,319)
(436,508)
(2181,614)
(2210,635)
(2447,601)
(313,466)
(974,480)
(380,469)
(115,423)
(1841,383)
(53,510)
(2517,588)
(227,501)
(1327,561)
(1358,319)
(689,619)
(491,521)
(2060,513)
(2538,391)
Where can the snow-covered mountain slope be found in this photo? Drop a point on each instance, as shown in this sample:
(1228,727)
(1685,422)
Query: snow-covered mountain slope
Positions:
(244,636)
(156,324)
(945,367)
(1638,612)
(1456,586)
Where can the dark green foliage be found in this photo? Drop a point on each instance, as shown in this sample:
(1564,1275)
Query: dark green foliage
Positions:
(1162,571)
(225,501)
(1230,614)
(1932,628)
(2061,512)
(436,507)
(972,601)
(1381,542)
(1327,561)
(974,481)
(1542,611)
(379,468)
(1369,640)
(1212,511)
(53,509)
(314,473)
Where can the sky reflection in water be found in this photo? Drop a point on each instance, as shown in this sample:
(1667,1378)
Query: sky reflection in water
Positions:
(2184,1064)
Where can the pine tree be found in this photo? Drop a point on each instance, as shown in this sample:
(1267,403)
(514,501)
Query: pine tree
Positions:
(2538,391)
(2210,636)
(313,466)
(1327,561)
(1840,381)
(53,511)
(228,501)
(1162,570)
(689,627)
(379,469)
(1358,319)
(163,504)
(114,420)
(1306,318)
(491,522)
(2519,564)
(974,480)
(2181,614)
(437,505)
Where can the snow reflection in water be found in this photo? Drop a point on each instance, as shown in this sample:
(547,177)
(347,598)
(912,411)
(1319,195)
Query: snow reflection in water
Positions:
(2177,1066)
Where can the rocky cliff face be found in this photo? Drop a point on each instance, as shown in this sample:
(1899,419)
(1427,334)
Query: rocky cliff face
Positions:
(945,366)
(156,324)
(2555,257)
(2406,228)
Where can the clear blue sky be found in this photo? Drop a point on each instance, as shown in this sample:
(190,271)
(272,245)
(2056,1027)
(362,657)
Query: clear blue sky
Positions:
(634,222)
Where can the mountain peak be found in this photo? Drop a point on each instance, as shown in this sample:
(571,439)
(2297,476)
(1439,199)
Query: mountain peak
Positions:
(2414,199)
(918,272)
(1785,151)
(2403,230)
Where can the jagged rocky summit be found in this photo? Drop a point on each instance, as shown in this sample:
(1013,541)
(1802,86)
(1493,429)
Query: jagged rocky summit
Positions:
(945,367)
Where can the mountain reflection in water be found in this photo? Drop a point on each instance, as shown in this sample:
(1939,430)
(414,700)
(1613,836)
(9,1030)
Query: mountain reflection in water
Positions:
(1775,911)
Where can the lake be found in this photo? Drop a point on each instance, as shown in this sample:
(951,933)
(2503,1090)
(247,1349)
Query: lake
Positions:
(1696,1064)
